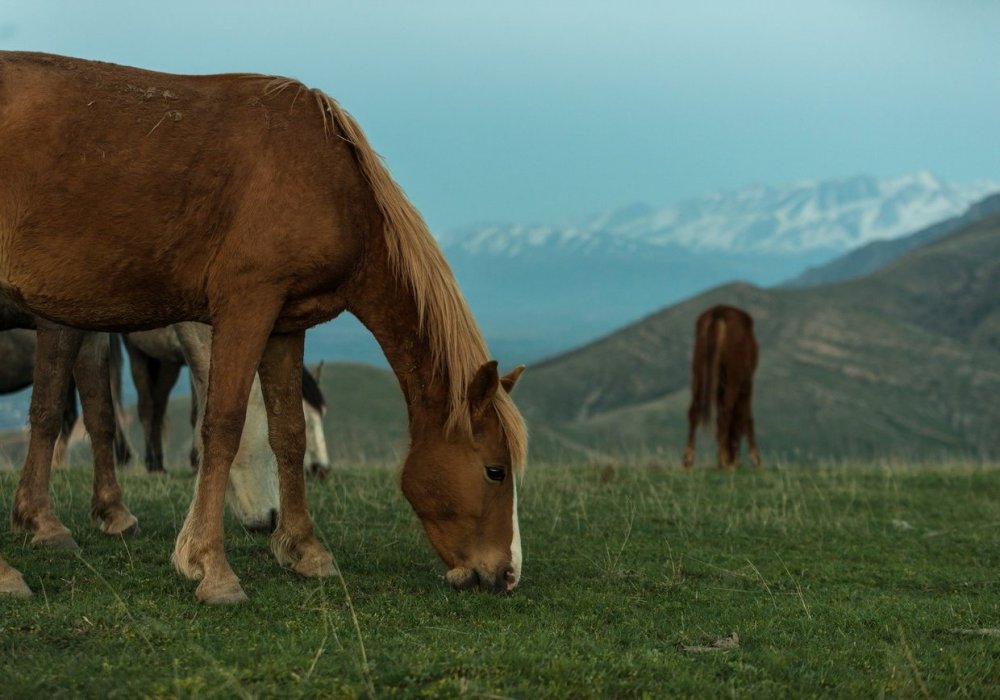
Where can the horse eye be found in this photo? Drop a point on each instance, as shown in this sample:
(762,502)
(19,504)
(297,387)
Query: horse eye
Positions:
(496,473)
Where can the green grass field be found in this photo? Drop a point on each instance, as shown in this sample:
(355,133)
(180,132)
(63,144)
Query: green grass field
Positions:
(837,581)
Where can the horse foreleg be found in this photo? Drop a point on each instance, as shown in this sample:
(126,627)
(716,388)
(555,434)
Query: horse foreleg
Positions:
(11,581)
(55,355)
(238,341)
(293,543)
(93,377)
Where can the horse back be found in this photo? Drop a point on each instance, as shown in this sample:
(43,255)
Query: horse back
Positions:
(192,181)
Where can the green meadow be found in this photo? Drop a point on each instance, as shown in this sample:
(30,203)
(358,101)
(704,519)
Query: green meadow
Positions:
(851,580)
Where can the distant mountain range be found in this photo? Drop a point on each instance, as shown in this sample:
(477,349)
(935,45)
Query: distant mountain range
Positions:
(872,256)
(538,290)
(830,216)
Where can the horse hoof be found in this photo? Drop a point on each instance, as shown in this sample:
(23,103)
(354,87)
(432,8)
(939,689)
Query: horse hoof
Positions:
(318,565)
(227,592)
(121,524)
(13,584)
(55,540)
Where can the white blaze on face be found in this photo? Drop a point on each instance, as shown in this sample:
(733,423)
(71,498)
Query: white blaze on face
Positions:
(316,452)
(515,543)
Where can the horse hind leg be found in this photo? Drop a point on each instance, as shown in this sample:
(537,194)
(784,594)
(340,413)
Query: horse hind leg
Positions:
(751,437)
(93,377)
(728,421)
(55,355)
(693,418)
(293,542)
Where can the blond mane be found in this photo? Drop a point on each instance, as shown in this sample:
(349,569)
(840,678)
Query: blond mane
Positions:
(457,346)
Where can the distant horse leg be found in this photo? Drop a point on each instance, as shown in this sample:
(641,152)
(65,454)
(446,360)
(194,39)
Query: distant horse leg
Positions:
(144,371)
(694,413)
(55,355)
(238,341)
(11,581)
(123,451)
(92,374)
(293,543)
(727,421)
(194,456)
(165,380)
(747,403)
(69,418)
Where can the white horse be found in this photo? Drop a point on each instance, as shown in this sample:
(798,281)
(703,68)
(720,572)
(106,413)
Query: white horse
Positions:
(252,493)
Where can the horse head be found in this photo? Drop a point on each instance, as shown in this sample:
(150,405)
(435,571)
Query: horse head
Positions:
(463,489)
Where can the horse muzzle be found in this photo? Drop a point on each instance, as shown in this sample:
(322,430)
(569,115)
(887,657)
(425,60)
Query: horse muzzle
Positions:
(480,579)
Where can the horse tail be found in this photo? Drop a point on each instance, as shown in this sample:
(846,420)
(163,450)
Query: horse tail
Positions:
(715,336)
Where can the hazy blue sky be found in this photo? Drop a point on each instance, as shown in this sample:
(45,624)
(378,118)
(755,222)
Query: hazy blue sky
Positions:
(534,111)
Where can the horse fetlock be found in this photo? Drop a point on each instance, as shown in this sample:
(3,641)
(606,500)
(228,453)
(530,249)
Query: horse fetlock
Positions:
(187,556)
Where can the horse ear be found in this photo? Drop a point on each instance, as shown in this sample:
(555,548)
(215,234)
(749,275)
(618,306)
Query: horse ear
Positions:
(483,388)
(509,380)
(319,370)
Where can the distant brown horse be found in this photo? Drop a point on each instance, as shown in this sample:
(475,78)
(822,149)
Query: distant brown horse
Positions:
(725,357)
(131,200)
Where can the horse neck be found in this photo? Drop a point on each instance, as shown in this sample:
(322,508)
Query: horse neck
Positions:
(386,306)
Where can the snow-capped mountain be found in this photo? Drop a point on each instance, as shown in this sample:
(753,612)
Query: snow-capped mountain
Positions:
(829,216)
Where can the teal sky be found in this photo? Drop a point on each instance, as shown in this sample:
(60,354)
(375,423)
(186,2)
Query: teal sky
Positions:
(535,111)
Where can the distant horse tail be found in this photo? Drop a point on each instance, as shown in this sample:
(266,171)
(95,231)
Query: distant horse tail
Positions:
(715,337)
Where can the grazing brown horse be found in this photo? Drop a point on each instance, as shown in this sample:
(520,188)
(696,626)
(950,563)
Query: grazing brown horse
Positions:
(725,357)
(131,200)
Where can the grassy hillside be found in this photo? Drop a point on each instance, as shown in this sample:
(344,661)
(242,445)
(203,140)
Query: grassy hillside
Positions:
(855,581)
